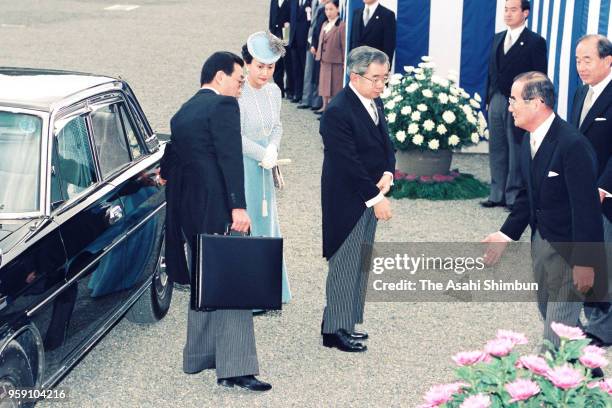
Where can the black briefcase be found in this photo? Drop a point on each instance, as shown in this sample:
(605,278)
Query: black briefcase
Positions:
(236,272)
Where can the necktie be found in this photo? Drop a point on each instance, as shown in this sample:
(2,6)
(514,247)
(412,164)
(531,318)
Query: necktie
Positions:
(374,111)
(508,42)
(532,143)
(366,16)
(588,101)
(301,3)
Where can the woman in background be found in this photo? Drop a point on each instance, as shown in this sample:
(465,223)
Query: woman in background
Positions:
(330,52)
(260,105)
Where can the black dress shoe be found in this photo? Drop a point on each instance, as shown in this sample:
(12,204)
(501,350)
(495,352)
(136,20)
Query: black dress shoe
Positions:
(359,335)
(296,100)
(319,112)
(491,204)
(596,341)
(315,107)
(248,382)
(343,342)
(303,106)
(597,373)
(509,208)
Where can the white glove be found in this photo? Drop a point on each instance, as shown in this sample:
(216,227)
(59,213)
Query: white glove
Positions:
(270,157)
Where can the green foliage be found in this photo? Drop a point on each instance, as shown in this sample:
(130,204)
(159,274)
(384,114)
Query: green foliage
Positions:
(463,187)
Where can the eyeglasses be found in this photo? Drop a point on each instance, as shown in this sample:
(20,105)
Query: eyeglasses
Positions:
(512,100)
(377,80)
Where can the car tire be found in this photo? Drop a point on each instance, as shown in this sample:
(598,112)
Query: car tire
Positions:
(15,373)
(154,303)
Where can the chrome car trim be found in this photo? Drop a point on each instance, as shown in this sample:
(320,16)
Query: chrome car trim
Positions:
(85,348)
(39,346)
(86,94)
(79,274)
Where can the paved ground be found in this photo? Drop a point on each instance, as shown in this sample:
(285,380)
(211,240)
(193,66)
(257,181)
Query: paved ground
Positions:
(159,48)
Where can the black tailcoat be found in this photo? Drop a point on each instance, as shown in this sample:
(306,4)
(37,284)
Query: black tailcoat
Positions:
(356,155)
(597,127)
(379,33)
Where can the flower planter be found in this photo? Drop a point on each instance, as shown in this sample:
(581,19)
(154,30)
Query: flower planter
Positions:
(424,163)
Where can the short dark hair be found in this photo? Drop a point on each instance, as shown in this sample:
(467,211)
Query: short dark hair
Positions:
(246,55)
(525,5)
(604,46)
(336,3)
(219,61)
(537,85)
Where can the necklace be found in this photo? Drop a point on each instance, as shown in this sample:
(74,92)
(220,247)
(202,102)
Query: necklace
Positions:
(264,201)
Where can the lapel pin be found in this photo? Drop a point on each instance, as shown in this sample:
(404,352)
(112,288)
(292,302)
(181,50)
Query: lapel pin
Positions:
(377,17)
(522,43)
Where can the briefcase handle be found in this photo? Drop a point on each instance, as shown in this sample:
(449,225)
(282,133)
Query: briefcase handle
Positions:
(231,232)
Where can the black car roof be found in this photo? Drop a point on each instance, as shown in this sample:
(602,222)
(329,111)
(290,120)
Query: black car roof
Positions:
(38,89)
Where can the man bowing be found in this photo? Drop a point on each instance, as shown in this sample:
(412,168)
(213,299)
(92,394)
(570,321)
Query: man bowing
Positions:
(358,167)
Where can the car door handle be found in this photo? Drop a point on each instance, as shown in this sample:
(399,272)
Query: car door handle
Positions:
(114,214)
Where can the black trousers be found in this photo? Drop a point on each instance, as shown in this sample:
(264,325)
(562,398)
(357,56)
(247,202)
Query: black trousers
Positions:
(298,62)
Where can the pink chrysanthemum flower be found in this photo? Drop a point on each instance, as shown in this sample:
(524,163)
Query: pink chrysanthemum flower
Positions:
(514,337)
(468,358)
(499,347)
(522,389)
(567,332)
(476,401)
(565,377)
(535,364)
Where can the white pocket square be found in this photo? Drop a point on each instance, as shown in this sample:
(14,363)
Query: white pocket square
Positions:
(552,174)
(600,119)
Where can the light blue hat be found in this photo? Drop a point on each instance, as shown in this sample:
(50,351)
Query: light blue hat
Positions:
(265,47)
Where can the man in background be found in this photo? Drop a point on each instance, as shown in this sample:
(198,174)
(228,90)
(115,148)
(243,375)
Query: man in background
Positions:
(374,25)
(515,51)
(592,115)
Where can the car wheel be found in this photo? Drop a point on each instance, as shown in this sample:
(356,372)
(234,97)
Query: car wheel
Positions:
(154,303)
(15,374)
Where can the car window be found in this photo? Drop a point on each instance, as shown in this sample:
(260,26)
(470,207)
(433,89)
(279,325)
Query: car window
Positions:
(73,163)
(109,138)
(132,138)
(20,136)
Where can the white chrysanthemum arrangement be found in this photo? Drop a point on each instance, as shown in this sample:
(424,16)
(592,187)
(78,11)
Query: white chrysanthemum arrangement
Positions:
(428,112)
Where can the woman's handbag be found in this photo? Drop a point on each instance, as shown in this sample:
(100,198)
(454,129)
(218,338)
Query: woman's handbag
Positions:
(236,272)
(277,176)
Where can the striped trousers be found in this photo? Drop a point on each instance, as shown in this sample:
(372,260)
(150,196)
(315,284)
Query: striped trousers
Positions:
(348,276)
(556,290)
(221,339)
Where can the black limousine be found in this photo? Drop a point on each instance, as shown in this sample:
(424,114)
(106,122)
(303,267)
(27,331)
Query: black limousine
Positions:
(82,214)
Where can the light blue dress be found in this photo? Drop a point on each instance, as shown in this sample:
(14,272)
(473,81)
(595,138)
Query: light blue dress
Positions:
(261,125)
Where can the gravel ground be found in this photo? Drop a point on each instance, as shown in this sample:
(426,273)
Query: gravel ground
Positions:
(159,49)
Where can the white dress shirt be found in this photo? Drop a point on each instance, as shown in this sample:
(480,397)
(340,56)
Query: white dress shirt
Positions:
(212,89)
(597,90)
(537,136)
(535,141)
(329,25)
(367,103)
(514,34)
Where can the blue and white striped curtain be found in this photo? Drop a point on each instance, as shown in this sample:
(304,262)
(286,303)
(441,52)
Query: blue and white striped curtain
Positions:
(458,34)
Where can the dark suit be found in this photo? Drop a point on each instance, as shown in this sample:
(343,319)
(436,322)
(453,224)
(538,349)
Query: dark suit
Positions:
(564,213)
(298,42)
(356,154)
(528,53)
(597,127)
(379,33)
(278,17)
(209,172)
